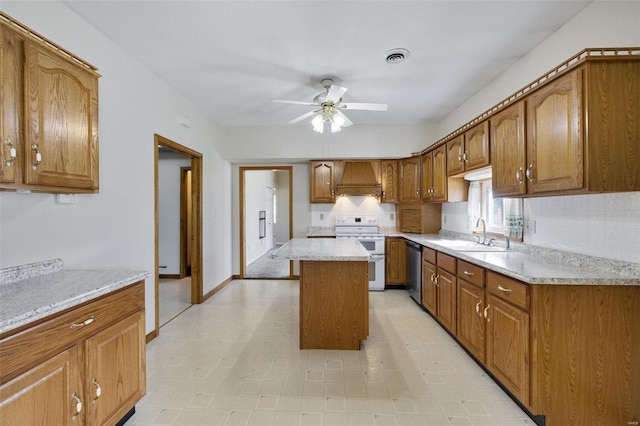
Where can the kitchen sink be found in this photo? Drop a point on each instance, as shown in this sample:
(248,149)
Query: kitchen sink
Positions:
(462,245)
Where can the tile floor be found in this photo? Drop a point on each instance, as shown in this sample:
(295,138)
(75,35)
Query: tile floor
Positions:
(234,360)
(175,297)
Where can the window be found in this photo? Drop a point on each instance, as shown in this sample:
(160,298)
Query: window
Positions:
(502,216)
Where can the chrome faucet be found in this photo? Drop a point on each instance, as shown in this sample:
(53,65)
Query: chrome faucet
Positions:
(506,237)
(484,230)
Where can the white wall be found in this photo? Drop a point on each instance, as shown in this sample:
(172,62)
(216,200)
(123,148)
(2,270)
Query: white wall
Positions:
(255,184)
(169,210)
(115,228)
(325,214)
(281,228)
(606,225)
(293,143)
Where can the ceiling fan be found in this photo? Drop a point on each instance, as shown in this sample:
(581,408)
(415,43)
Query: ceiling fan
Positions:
(330,105)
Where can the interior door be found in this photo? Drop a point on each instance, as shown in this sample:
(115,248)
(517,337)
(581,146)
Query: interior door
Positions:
(269,197)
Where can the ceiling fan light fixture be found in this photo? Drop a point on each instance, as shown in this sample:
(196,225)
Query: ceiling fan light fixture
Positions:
(396,56)
(318,123)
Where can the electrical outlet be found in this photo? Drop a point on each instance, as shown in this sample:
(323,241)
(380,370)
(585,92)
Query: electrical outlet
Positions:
(531,226)
(392,216)
(321,216)
(444,218)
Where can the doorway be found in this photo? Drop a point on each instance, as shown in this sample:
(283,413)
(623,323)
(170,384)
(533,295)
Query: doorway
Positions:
(188,212)
(266,220)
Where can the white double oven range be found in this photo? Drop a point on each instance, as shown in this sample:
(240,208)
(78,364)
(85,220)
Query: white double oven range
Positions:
(365,229)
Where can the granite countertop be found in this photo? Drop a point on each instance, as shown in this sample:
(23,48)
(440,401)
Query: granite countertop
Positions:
(537,265)
(35,291)
(321,249)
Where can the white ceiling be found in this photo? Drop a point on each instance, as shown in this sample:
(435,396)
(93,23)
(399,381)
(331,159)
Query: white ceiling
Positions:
(232,57)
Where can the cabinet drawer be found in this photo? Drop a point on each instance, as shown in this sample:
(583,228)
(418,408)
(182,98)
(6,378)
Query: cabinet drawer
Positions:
(429,255)
(471,273)
(446,262)
(512,291)
(29,347)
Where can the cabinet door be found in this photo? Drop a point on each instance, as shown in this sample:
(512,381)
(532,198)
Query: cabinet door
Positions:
(321,181)
(447,300)
(389,181)
(10,112)
(45,394)
(115,370)
(508,151)
(476,143)
(426,185)
(508,346)
(455,159)
(61,107)
(439,192)
(429,293)
(471,323)
(395,253)
(555,153)
(409,180)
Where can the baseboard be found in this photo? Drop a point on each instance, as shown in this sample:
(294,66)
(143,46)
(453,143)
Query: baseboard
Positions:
(218,288)
(174,276)
(151,336)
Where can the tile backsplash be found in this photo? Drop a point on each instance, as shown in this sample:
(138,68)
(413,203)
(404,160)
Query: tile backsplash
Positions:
(604,225)
(324,215)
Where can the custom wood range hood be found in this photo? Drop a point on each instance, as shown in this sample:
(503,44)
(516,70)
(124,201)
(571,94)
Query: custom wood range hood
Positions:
(357,177)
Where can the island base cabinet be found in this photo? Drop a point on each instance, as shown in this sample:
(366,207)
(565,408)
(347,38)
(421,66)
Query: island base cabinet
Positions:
(115,370)
(586,354)
(334,304)
(45,394)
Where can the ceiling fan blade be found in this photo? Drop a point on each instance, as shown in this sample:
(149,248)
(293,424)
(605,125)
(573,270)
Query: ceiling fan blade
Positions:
(305,115)
(295,102)
(335,93)
(363,106)
(347,122)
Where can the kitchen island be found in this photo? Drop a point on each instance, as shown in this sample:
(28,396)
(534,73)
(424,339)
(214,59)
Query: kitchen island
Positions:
(334,291)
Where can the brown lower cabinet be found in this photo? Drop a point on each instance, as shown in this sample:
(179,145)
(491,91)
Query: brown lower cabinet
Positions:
(570,353)
(439,287)
(395,261)
(93,373)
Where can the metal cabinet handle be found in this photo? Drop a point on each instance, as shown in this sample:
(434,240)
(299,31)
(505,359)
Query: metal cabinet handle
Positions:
(467,273)
(461,158)
(504,289)
(433,278)
(436,281)
(98,388)
(464,157)
(12,153)
(83,323)
(478,307)
(486,313)
(529,172)
(35,165)
(78,403)
(519,175)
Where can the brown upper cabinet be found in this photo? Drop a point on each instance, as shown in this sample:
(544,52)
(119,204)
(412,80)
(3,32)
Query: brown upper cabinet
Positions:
(572,135)
(389,170)
(434,175)
(409,180)
(469,151)
(49,116)
(321,182)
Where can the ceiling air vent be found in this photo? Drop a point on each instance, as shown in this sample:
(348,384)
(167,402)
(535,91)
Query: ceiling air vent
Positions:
(396,56)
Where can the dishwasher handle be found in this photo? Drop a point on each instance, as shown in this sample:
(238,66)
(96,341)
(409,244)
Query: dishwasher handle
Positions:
(414,246)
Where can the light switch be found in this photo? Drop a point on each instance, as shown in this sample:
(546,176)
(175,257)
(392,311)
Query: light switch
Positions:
(66,198)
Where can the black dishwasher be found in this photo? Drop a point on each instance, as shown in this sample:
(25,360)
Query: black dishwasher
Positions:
(414,270)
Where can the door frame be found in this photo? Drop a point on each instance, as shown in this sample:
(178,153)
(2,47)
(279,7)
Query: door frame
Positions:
(185,229)
(196,221)
(242,171)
